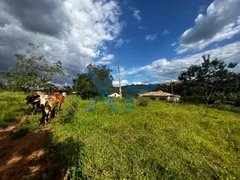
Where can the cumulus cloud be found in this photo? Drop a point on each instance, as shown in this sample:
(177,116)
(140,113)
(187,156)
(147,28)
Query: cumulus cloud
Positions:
(138,83)
(71,31)
(123,83)
(221,21)
(47,17)
(151,37)
(106,59)
(169,69)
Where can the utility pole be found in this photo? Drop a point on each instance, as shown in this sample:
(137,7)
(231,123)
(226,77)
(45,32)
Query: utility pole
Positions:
(120,85)
(172,86)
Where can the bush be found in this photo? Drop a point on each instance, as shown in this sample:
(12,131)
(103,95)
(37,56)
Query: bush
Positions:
(232,96)
(237,102)
(69,110)
(143,102)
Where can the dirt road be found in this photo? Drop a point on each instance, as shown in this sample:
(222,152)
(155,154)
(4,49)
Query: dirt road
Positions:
(27,157)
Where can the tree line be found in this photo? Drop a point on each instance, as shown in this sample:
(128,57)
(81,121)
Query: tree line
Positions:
(209,81)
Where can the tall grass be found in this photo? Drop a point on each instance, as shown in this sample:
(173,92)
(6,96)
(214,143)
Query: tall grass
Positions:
(159,141)
(12,107)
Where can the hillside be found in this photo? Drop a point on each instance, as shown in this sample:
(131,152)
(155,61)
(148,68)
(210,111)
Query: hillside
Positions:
(158,141)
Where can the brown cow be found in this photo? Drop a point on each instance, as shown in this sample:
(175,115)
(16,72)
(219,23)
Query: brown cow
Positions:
(60,97)
(50,104)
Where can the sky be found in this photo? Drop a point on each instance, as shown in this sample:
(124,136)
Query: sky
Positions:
(153,40)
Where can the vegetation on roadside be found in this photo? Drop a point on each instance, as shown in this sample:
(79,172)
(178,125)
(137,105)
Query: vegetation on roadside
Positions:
(210,80)
(12,107)
(159,141)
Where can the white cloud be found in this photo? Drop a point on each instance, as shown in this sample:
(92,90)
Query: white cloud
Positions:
(137,83)
(136,13)
(123,83)
(86,26)
(121,41)
(106,59)
(151,37)
(142,27)
(221,21)
(166,69)
(165,32)
(174,44)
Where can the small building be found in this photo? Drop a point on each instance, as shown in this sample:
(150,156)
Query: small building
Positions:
(160,95)
(114,95)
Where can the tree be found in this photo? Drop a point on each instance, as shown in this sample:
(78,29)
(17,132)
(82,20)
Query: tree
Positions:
(208,77)
(31,72)
(96,81)
(84,86)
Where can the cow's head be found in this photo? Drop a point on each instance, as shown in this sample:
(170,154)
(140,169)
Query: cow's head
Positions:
(43,100)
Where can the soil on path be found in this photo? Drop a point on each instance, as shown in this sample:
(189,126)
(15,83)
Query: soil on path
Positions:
(27,157)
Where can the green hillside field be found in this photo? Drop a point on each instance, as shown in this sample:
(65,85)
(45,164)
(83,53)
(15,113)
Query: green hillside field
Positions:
(158,141)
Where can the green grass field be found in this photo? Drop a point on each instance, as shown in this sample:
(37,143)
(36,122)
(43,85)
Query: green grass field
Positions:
(159,141)
(12,107)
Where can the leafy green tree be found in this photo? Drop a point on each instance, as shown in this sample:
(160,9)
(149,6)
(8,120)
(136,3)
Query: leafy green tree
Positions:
(94,82)
(84,86)
(31,72)
(211,76)
(67,89)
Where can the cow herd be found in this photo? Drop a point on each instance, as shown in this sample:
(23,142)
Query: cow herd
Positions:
(50,104)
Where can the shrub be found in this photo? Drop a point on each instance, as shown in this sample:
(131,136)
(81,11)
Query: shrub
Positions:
(69,110)
(237,102)
(143,102)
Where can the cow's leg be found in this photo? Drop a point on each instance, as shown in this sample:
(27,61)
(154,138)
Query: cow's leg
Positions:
(58,108)
(46,119)
(42,119)
(49,117)
(53,113)
(46,115)
(35,109)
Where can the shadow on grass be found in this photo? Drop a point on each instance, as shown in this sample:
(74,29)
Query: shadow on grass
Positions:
(71,157)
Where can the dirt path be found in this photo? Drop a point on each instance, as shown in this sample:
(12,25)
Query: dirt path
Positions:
(26,158)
